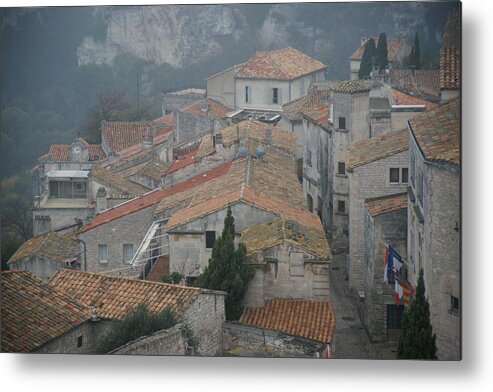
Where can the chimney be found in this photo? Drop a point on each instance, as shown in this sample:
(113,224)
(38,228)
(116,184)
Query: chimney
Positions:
(204,106)
(101,201)
(147,139)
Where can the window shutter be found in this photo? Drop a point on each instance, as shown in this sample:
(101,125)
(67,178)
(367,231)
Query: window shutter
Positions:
(279,96)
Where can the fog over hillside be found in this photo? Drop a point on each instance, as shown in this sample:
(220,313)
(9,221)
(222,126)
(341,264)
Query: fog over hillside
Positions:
(56,61)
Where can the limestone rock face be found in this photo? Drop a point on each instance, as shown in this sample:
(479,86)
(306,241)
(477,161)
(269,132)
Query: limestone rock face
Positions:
(171,34)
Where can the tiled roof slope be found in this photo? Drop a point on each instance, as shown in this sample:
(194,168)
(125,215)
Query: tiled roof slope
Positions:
(264,236)
(123,134)
(206,146)
(401,98)
(113,297)
(394,46)
(117,181)
(256,132)
(283,64)
(214,109)
(383,205)
(450,59)
(437,133)
(34,313)
(313,320)
(422,82)
(318,115)
(153,197)
(271,185)
(351,87)
(376,148)
(60,152)
(50,246)
(292,110)
(182,161)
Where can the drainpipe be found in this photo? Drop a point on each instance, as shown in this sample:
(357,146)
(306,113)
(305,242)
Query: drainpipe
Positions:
(84,252)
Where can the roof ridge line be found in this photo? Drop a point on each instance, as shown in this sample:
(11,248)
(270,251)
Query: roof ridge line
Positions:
(277,65)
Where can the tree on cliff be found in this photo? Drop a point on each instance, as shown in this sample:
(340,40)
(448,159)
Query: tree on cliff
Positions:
(381,54)
(228,270)
(367,60)
(417,340)
(416,54)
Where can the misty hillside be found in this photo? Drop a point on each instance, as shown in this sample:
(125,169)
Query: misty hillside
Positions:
(56,61)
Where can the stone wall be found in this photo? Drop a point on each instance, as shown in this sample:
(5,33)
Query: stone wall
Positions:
(170,341)
(391,229)
(41,267)
(91,333)
(368,181)
(189,126)
(129,229)
(60,218)
(260,342)
(289,273)
(206,317)
(261,91)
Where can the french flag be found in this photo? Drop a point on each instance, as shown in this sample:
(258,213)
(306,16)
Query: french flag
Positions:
(393,262)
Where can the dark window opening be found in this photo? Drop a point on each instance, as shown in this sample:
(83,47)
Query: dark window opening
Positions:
(454,304)
(341,206)
(275,95)
(394,175)
(341,168)
(190,280)
(405,175)
(342,122)
(309,202)
(248,92)
(210,237)
(79,341)
(394,317)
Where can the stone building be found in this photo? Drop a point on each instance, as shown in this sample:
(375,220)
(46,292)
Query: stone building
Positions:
(434,219)
(377,167)
(176,100)
(450,58)
(317,141)
(283,328)
(351,124)
(291,261)
(397,49)
(221,86)
(270,79)
(201,310)
(119,235)
(61,190)
(48,253)
(38,318)
(385,224)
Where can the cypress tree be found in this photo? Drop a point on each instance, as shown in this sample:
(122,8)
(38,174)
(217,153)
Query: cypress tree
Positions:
(417,340)
(416,61)
(228,270)
(381,55)
(367,59)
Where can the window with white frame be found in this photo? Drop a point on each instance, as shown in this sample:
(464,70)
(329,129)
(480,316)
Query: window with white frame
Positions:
(398,175)
(103,253)
(128,253)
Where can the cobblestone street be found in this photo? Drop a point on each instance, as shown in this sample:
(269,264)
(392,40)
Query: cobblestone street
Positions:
(351,340)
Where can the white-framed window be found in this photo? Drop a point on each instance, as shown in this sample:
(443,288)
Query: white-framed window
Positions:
(248,94)
(103,253)
(398,175)
(128,253)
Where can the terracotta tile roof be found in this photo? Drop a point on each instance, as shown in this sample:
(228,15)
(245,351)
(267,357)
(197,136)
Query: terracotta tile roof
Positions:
(154,170)
(214,109)
(424,83)
(313,320)
(51,246)
(401,98)
(318,115)
(437,133)
(182,161)
(283,64)
(383,205)
(351,87)
(33,313)
(292,110)
(394,48)
(154,197)
(121,135)
(264,236)
(117,181)
(256,132)
(450,57)
(272,187)
(113,297)
(60,152)
(376,148)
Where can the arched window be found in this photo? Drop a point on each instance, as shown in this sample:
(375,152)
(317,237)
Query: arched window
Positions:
(309,201)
